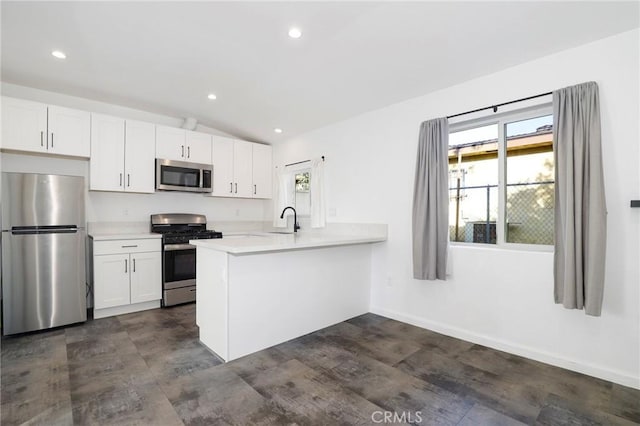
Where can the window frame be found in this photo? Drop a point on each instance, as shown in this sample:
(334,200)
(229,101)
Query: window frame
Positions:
(501,120)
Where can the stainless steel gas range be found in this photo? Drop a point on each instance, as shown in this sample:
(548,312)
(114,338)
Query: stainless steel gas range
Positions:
(178,256)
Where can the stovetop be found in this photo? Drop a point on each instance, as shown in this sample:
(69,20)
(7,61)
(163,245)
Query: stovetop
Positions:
(183,236)
(180,228)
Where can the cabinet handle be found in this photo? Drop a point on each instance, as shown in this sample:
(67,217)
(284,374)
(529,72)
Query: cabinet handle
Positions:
(51,139)
(230,187)
(182,151)
(41,138)
(125,266)
(134,264)
(188,152)
(236,187)
(255,189)
(120,184)
(134,245)
(128,179)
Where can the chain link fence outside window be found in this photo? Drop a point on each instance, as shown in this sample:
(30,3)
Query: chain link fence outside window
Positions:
(529,212)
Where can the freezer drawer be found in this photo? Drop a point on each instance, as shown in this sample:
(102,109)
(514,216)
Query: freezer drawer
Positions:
(43,280)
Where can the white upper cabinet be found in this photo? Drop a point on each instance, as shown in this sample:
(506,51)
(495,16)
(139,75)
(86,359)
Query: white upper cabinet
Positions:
(139,156)
(36,127)
(170,143)
(241,169)
(122,155)
(198,147)
(262,171)
(222,156)
(24,125)
(177,144)
(69,131)
(106,165)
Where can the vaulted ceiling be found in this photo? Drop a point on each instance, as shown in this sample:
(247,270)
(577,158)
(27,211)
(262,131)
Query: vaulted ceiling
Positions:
(166,57)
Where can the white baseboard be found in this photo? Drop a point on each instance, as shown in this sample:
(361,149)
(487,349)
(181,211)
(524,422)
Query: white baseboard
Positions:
(600,372)
(125,309)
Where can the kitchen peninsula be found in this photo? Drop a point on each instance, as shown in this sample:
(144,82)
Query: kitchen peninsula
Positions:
(260,289)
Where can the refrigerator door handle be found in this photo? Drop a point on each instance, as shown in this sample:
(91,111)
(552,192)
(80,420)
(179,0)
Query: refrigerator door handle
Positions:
(44,231)
(31,230)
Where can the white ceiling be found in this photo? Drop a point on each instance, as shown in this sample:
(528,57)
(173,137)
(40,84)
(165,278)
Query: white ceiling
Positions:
(353,57)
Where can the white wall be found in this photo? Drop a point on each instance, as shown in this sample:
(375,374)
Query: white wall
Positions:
(124,207)
(498,297)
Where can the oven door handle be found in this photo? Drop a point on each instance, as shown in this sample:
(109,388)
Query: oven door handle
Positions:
(175,247)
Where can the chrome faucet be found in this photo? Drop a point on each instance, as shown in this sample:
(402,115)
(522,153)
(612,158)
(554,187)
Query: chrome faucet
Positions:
(295,218)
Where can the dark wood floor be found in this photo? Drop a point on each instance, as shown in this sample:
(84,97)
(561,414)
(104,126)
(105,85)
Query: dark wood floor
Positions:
(148,368)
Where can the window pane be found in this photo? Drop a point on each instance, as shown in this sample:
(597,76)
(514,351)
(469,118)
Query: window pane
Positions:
(473,184)
(530,185)
(303,193)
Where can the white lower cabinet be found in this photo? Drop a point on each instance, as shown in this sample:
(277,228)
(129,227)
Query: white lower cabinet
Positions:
(127,276)
(111,280)
(146,278)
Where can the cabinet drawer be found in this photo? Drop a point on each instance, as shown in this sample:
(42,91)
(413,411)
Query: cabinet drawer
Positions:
(125,246)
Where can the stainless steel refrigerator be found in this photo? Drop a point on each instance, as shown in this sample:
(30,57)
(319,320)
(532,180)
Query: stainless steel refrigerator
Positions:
(43,251)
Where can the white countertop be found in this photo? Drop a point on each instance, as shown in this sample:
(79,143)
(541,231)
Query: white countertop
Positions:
(259,242)
(124,236)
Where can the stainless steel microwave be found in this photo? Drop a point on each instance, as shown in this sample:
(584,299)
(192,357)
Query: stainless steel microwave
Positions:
(182,176)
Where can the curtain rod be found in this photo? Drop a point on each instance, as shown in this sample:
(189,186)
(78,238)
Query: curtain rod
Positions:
(495,107)
(300,162)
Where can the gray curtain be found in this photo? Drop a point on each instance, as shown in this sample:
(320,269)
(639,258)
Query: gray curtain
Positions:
(580,211)
(431,202)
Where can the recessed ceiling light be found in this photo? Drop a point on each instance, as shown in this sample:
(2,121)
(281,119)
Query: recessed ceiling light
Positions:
(212,96)
(277,130)
(58,54)
(295,32)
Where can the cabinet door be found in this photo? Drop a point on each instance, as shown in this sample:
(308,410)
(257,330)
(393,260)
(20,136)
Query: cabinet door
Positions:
(111,280)
(24,125)
(69,132)
(242,169)
(107,153)
(262,171)
(198,147)
(146,277)
(170,143)
(139,164)
(222,157)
